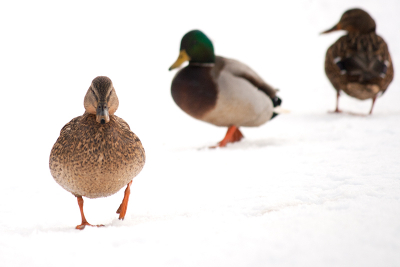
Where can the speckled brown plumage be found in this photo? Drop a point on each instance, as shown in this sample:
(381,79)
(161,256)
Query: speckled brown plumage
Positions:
(194,90)
(97,154)
(370,46)
(96,160)
(359,63)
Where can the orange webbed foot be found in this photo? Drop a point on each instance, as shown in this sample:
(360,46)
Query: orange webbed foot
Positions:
(84,224)
(124,205)
(84,221)
(232,135)
(119,209)
(122,211)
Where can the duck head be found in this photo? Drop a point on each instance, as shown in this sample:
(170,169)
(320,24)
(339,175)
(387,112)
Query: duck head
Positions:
(355,21)
(101,99)
(195,48)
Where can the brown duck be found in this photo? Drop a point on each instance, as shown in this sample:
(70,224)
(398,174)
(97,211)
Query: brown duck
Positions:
(220,91)
(358,63)
(97,154)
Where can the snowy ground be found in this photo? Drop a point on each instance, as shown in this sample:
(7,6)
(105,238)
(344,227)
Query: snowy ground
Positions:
(307,189)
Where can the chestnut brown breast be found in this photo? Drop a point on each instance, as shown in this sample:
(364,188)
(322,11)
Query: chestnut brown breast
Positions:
(194,90)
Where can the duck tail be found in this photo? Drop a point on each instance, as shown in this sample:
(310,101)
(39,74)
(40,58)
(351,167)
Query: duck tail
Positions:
(280,110)
(276,101)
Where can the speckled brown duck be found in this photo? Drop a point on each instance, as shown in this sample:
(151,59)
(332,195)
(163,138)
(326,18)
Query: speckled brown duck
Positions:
(358,63)
(220,91)
(97,154)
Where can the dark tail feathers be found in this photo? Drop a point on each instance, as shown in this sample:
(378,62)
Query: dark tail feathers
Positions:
(276,101)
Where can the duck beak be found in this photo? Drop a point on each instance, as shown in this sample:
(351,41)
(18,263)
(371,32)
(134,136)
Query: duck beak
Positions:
(183,57)
(102,115)
(334,28)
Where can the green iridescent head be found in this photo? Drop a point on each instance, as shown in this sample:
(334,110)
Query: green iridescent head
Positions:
(195,48)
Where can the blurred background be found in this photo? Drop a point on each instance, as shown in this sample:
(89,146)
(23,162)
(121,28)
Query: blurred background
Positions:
(51,51)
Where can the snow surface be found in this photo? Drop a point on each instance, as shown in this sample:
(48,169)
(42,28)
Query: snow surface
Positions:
(307,189)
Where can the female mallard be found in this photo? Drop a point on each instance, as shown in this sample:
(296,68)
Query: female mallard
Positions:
(218,90)
(97,154)
(358,63)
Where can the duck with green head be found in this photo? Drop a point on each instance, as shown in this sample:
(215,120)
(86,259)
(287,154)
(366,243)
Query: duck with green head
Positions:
(359,62)
(220,91)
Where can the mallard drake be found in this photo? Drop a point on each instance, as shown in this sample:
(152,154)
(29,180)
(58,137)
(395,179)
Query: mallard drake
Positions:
(358,63)
(97,154)
(220,91)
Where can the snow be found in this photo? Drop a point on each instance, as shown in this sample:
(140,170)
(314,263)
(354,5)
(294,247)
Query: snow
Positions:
(307,189)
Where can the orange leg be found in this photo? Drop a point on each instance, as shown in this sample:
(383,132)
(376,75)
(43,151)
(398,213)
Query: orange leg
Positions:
(84,221)
(373,103)
(232,135)
(124,205)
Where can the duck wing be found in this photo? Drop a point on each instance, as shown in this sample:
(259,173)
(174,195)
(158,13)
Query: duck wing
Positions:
(367,67)
(363,59)
(241,70)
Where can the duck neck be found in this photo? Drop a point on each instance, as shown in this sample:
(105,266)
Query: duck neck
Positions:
(201,64)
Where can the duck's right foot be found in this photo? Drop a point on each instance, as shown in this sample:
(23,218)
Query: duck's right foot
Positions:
(84,221)
(232,135)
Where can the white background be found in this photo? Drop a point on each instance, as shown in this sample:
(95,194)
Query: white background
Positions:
(306,189)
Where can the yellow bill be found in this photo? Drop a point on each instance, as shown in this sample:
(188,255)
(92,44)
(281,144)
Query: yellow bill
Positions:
(183,57)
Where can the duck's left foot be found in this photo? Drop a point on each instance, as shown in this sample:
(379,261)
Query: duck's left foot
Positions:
(232,135)
(84,224)
(336,111)
(124,205)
